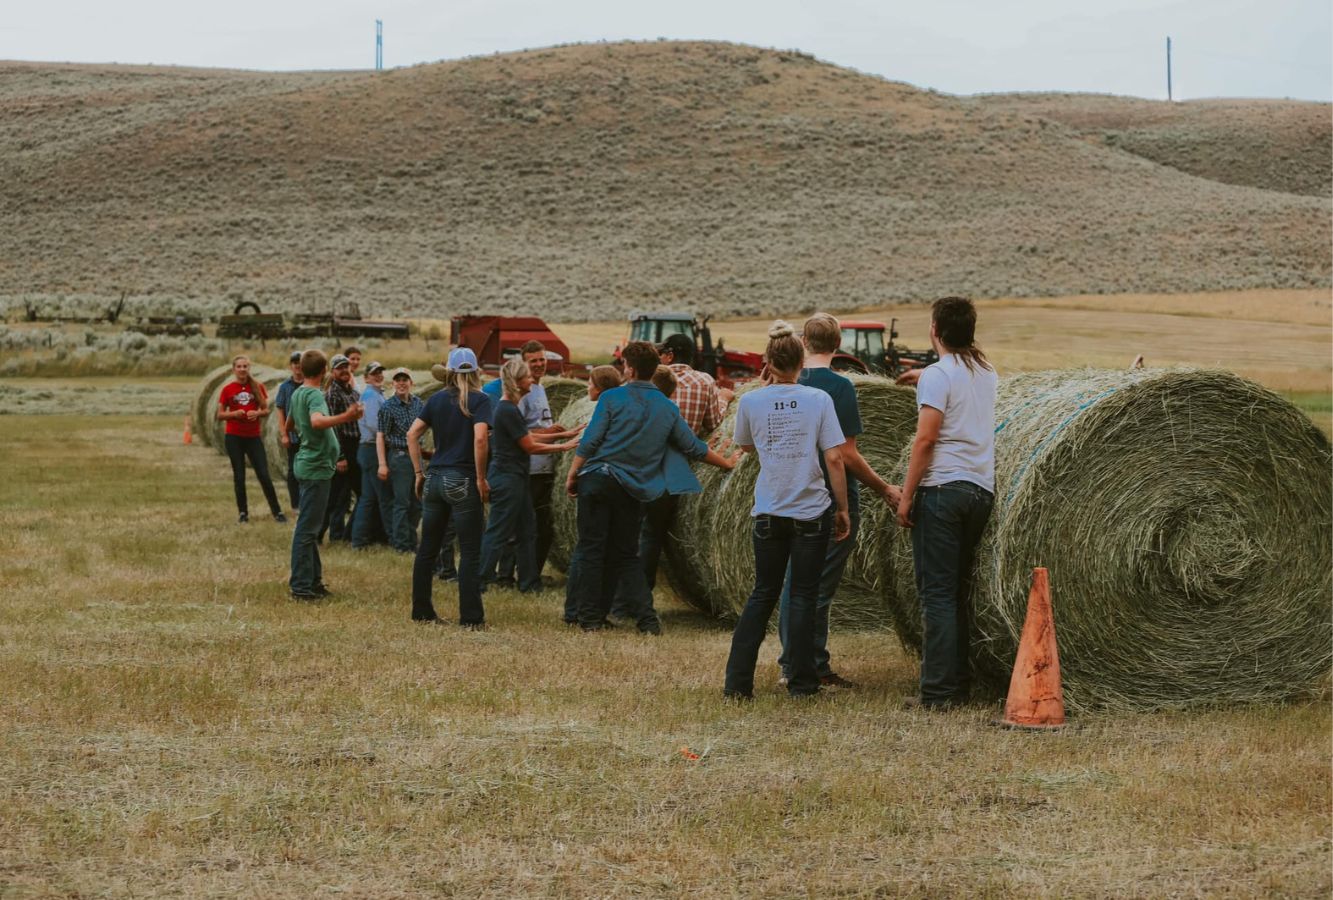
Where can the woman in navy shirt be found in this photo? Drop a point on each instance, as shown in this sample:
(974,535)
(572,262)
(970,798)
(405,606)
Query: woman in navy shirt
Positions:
(512,512)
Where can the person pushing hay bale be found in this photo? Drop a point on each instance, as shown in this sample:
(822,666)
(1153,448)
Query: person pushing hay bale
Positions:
(709,549)
(1185,520)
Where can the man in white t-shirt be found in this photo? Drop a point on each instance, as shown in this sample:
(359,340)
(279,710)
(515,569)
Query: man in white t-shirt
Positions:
(947,496)
(536,410)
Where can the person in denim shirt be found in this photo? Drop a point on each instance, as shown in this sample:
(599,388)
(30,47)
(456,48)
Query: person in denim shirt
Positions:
(455,488)
(287,435)
(625,460)
(374,506)
(397,414)
(792,427)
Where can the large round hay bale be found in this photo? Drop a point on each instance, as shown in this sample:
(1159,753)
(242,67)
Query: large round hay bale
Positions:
(564,518)
(1185,520)
(711,553)
(561,392)
(272,379)
(204,414)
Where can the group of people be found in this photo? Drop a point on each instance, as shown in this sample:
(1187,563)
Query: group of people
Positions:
(493,445)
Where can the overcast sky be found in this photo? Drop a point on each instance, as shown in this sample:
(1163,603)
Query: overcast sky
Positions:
(1231,48)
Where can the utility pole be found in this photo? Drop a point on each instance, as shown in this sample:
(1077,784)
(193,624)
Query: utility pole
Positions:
(1168,68)
(379,44)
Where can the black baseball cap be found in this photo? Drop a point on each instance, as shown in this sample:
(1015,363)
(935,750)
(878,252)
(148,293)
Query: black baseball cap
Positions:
(678,344)
(295,357)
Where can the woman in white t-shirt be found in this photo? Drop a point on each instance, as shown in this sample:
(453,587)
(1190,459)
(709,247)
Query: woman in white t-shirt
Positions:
(947,495)
(790,426)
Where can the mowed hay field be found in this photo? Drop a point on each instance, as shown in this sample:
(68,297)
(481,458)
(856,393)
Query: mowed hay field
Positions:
(174,724)
(171,723)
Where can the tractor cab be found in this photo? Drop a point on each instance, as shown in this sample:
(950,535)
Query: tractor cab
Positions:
(863,350)
(657,327)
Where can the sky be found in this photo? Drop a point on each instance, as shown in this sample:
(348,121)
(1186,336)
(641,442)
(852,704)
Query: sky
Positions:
(1220,48)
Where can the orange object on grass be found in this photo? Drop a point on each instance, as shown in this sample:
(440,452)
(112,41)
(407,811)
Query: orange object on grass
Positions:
(188,438)
(1036,699)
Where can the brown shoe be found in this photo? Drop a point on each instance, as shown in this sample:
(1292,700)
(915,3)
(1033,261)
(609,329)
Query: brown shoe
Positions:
(834,680)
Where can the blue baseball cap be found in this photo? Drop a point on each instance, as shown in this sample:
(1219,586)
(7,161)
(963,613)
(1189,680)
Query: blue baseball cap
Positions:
(462,360)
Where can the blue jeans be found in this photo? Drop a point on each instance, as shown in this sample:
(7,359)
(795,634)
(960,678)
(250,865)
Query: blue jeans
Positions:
(449,497)
(511,516)
(948,521)
(779,540)
(607,555)
(834,562)
(307,573)
(374,505)
(406,512)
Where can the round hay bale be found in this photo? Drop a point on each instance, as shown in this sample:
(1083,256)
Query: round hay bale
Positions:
(710,550)
(202,413)
(1185,520)
(561,392)
(272,379)
(564,518)
(217,429)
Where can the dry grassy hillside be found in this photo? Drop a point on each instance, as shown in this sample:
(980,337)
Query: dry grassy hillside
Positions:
(1277,145)
(584,181)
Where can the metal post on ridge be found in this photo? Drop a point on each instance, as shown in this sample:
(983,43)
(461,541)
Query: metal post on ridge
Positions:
(379,45)
(1168,69)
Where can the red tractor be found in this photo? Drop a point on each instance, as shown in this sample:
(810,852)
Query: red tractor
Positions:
(863,349)
(728,367)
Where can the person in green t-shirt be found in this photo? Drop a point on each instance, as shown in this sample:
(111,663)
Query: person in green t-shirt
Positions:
(315,463)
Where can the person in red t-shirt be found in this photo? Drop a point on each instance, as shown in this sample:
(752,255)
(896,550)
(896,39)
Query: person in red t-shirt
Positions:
(243,406)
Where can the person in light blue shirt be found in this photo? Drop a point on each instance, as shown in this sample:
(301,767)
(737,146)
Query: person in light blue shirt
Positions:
(623,462)
(374,505)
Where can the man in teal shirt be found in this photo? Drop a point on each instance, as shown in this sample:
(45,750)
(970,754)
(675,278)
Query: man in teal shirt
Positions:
(314,465)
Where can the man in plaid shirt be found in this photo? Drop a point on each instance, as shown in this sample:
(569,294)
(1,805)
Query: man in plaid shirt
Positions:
(340,395)
(701,403)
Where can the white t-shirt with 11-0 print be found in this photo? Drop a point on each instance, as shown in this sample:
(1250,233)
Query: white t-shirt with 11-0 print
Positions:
(790,426)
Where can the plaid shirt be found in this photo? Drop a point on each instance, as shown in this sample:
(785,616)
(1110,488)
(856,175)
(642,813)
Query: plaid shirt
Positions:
(396,417)
(698,399)
(340,399)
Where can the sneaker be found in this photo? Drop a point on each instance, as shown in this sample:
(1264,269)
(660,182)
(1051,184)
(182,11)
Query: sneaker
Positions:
(306,596)
(655,630)
(737,697)
(243,518)
(782,682)
(322,590)
(279,518)
(836,681)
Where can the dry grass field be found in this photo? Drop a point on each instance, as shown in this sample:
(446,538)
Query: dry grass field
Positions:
(171,723)
(587,180)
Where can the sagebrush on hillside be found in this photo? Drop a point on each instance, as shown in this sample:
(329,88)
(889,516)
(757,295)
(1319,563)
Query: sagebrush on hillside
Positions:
(584,181)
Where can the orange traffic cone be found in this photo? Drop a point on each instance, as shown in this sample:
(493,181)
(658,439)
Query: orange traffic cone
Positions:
(1036,699)
(188,438)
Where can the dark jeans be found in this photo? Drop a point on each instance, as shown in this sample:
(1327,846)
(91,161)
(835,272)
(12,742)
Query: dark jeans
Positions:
(307,573)
(238,448)
(658,515)
(511,516)
(338,518)
(948,521)
(374,505)
(293,485)
(444,565)
(777,541)
(606,555)
(835,560)
(541,486)
(449,497)
(406,508)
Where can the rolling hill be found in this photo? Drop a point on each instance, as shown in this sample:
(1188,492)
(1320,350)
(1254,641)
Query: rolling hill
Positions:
(581,182)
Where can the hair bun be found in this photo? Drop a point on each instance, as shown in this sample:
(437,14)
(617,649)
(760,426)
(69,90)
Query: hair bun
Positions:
(780,329)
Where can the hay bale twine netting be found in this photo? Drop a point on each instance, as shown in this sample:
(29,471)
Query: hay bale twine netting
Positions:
(711,554)
(1185,520)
